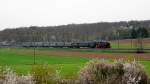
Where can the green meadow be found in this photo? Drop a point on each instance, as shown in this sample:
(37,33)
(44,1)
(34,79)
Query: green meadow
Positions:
(21,60)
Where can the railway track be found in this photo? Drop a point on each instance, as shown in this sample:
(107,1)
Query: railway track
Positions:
(120,49)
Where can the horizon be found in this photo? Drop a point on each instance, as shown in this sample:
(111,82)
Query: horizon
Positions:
(74,24)
(25,13)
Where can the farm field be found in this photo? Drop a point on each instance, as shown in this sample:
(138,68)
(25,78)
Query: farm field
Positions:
(68,61)
(128,43)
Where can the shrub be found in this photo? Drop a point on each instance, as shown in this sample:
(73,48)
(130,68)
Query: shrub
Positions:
(43,74)
(109,73)
(10,77)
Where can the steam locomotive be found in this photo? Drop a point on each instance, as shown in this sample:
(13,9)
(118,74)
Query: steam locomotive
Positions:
(89,44)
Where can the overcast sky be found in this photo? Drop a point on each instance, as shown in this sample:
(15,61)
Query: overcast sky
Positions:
(17,13)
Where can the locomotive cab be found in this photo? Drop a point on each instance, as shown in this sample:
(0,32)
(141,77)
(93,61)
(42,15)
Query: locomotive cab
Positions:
(103,45)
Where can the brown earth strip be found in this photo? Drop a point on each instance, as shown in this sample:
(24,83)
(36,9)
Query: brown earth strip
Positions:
(141,56)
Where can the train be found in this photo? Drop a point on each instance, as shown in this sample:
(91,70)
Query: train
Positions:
(87,44)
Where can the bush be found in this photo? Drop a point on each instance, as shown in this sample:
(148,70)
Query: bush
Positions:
(43,74)
(112,73)
(40,74)
(7,76)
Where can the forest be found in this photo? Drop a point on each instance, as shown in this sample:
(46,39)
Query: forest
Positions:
(78,32)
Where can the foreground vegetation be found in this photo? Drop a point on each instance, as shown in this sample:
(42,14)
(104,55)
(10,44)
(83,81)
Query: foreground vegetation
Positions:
(94,72)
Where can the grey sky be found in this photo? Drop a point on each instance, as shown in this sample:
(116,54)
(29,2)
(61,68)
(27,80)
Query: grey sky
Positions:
(17,13)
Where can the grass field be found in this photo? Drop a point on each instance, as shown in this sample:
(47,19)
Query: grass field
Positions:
(128,43)
(21,59)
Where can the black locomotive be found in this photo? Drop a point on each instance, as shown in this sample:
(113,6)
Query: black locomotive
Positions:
(93,44)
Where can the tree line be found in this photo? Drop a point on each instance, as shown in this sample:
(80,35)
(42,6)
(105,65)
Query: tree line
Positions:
(77,32)
(139,32)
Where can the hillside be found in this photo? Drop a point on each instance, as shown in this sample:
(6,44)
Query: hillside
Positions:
(73,32)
